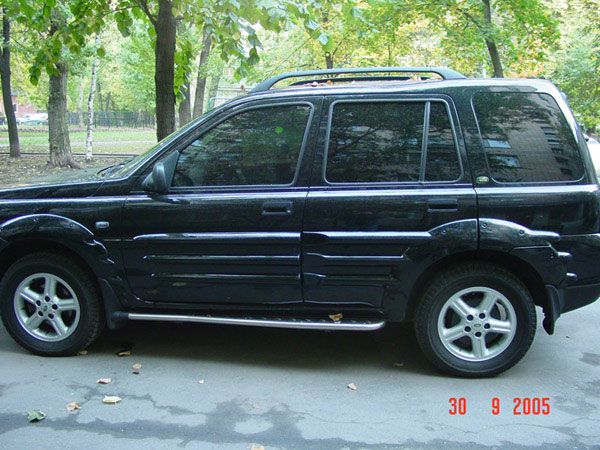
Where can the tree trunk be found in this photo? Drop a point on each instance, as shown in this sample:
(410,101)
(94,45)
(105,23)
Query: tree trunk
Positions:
(213,89)
(164,69)
(100,97)
(60,146)
(107,107)
(185,105)
(491,44)
(328,60)
(80,106)
(201,80)
(11,120)
(325,17)
(90,106)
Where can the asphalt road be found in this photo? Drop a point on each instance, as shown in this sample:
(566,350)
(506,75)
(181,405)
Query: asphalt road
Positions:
(288,389)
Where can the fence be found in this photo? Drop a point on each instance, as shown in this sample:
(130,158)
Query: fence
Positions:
(116,119)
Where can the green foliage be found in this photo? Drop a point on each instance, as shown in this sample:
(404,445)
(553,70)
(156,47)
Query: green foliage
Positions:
(524,31)
(258,38)
(59,28)
(577,65)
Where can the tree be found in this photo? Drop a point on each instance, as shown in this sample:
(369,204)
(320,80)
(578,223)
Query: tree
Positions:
(59,30)
(231,23)
(5,73)
(90,105)
(510,30)
(577,64)
(201,77)
(165,30)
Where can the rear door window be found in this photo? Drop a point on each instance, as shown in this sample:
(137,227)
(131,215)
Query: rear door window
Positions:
(391,142)
(526,138)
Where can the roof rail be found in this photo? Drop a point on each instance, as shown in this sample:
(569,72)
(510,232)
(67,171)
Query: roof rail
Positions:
(444,72)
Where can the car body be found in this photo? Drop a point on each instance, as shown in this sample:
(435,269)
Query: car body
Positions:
(331,235)
(33,119)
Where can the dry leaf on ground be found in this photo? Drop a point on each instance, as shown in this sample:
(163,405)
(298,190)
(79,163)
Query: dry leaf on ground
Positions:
(111,399)
(136,368)
(104,381)
(352,387)
(73,406)
(336,317)
(35,415)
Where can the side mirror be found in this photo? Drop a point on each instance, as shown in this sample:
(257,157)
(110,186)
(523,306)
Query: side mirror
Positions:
(159,180)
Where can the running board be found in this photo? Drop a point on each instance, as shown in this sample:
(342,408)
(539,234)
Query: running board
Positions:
(305,324)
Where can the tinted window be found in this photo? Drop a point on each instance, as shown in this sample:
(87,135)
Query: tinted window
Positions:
(526,138)
(375,142)
(259,146)
(442,159)
(383,142)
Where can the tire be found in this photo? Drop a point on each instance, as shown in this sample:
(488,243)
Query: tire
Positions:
(51,305)
(476,320)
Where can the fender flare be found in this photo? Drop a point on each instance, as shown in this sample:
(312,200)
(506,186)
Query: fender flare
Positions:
(77,238)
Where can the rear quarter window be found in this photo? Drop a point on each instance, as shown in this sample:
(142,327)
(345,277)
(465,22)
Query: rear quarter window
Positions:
(526,138)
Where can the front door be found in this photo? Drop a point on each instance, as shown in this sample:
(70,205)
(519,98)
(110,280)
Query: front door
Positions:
(389,187)
(228,231)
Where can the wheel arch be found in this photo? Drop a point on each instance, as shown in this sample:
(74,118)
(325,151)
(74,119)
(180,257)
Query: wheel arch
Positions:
(517,266)
(49,232)
(17,249)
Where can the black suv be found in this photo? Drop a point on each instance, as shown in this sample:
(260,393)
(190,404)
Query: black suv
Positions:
(342,201)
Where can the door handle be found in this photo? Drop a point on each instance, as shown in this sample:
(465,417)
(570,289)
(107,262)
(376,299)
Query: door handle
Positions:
(443,204)
(277,208)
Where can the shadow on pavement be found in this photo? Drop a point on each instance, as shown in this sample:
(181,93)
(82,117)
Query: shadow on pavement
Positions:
(394,347)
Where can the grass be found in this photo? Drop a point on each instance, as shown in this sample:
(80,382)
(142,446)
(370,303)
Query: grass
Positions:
(123,140)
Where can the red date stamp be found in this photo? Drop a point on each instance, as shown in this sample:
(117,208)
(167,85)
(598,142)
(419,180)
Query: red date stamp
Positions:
(521,406)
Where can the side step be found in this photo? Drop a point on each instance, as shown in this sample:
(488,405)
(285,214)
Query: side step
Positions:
(305,324)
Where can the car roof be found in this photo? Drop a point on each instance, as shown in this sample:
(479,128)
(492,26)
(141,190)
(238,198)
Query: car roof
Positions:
(411,86)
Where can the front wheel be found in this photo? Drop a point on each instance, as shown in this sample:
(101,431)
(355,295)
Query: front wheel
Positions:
(476,320)
(50,305)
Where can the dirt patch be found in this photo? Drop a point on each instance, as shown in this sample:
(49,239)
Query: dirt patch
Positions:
(26,167)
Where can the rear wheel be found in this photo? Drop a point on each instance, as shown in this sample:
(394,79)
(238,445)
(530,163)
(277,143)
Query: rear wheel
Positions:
(476,320)
(50,305)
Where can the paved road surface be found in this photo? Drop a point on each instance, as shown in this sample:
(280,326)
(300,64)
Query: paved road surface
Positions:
(288,389)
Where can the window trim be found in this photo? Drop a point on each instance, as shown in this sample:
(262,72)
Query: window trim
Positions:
(228,187)
(427,109)
(527,183)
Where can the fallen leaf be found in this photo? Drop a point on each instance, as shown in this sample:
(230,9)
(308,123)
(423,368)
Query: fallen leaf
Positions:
(73,406)
(136,368)
(398,364)
(35,416)
(124,353)
(336,317)
(352,387)
(111,399)
(257,447)
(104,381)
(201,381)
(82,353)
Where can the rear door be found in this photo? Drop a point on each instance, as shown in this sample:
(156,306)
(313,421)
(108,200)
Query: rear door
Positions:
(390,195)
(228,230)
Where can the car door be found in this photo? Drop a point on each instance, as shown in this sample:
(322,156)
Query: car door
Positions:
(228,230)
(390,195)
